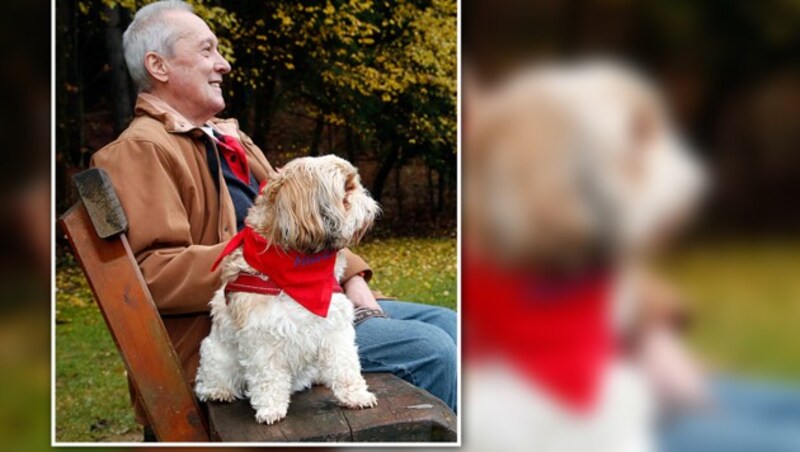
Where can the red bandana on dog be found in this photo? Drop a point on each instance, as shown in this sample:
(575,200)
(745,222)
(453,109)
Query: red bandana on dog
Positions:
(554,331)
(307,278)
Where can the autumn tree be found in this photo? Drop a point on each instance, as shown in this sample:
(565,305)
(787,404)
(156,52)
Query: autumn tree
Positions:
(380,74)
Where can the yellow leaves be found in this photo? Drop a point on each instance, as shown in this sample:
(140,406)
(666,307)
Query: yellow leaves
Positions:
(361,5)
(332,118)
(289,66)
(284,17)
(329,9)
(71,287)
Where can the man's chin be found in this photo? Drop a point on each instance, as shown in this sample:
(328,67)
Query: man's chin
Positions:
(219,105)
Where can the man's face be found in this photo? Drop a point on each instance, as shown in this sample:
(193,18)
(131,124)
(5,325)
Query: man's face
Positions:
(196,69)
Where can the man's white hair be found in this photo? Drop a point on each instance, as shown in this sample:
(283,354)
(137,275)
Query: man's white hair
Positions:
(150,32)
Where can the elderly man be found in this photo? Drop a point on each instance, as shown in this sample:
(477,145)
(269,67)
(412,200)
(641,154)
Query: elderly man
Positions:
(186,180)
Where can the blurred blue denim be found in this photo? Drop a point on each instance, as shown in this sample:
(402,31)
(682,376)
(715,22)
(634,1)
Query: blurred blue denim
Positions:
(752,416)
(416,343)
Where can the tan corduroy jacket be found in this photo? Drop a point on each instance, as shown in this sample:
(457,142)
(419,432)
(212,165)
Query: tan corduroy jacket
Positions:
(178,221)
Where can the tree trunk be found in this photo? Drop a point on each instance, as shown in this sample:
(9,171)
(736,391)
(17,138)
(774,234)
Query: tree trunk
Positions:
(384,170)
(440,200)
(431,206)
(350,145)
(69,130)
(398,192)
(120,87)
(316,137)
(264,99)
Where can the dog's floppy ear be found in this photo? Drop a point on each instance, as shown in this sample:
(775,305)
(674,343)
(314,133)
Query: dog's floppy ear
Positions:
(290,214)
(523,189)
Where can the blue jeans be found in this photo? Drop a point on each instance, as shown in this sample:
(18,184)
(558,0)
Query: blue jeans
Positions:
(751,417)
(416,343)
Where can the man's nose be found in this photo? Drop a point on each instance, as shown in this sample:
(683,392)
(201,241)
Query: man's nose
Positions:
(222,66)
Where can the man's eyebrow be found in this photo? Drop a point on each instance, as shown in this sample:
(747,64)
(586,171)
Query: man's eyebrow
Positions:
(209,40)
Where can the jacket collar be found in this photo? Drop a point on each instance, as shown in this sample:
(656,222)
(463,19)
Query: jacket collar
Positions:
(174,122)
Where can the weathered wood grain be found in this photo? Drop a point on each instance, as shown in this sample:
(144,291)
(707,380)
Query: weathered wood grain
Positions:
(101,202)
(404,414)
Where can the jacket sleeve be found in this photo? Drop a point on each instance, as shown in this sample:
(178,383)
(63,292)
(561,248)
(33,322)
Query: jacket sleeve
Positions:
(176,270)
(355,265)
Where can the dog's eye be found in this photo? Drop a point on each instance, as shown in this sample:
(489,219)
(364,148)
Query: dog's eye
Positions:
(350,184)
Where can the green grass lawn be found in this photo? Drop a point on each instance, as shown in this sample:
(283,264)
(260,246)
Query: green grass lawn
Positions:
(91,390)
(422,270)
(92,401)
(746,299)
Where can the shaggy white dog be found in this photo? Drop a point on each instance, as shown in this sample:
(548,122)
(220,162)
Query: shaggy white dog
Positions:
(267,346)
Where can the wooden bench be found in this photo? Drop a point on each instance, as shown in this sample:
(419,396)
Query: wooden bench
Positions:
(95,228)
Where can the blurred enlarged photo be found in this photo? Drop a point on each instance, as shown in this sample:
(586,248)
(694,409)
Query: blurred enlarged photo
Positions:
(630,255)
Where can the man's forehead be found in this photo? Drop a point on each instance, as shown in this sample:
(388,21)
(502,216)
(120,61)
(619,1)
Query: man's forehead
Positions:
(192,26)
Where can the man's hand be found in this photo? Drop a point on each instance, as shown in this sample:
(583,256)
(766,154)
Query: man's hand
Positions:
(359,293)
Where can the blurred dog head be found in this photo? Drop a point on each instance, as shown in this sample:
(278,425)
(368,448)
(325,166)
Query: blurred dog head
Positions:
(566,164)
(313,204)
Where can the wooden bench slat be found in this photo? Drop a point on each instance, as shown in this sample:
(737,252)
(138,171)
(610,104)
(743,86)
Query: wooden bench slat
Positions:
(137,329)
(404,414)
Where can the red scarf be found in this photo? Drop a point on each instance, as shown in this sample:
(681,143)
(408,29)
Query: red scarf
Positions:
(307,278)
(554,331)
(234,154)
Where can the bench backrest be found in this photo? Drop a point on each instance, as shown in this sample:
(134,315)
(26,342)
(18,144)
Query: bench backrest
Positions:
(128,309)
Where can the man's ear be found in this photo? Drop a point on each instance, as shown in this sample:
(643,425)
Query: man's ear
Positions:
(156,66)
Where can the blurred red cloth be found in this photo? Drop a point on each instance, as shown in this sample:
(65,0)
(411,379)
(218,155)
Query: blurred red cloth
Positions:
(555,330)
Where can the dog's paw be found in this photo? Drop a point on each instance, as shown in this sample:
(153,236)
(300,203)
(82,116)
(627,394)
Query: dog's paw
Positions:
(215,395)
(269,416)
(360,399)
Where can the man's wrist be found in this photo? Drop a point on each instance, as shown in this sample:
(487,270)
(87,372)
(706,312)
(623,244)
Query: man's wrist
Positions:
(363,313)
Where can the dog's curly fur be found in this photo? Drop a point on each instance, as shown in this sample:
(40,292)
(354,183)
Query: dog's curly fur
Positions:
(267,347)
